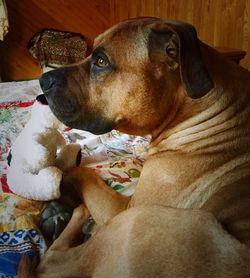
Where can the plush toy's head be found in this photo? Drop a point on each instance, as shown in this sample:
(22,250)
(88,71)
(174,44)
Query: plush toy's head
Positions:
(42,115)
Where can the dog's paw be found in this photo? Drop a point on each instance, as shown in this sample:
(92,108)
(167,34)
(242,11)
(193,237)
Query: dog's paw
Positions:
(78,175)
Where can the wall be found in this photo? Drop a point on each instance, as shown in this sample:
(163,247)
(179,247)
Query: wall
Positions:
(218,23)
(26,17)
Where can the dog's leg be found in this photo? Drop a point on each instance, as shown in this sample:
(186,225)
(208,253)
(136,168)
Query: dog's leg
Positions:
(153,241)
(102,201)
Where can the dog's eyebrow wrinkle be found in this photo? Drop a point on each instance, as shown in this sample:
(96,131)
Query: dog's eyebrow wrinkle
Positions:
(98,50)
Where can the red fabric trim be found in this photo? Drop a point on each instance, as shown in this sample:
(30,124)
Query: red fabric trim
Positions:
(17,104)
(5,187)
(67,129)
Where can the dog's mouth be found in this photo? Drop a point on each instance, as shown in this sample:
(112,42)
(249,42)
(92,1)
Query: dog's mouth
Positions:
(74,116)
(95,125)
(63,100)
(65,112)
(66,108)
(58,110)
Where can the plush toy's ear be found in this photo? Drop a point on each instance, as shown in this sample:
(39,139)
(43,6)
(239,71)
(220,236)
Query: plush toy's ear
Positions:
(42,99)
(181,47)
(9,158)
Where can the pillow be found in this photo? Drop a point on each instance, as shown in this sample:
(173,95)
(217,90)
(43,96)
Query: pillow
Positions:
(53,48)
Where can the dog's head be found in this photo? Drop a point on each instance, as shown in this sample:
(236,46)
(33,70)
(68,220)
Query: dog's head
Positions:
(137,72)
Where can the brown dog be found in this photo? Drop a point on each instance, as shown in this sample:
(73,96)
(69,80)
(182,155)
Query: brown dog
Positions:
(190,214)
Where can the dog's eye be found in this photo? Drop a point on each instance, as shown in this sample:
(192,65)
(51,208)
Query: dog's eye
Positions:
(100,62)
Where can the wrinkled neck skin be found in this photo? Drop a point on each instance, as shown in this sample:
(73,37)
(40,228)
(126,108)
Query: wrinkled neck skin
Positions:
(198,124)
(204,147)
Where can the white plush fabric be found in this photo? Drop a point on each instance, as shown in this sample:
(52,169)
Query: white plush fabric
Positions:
(36,157)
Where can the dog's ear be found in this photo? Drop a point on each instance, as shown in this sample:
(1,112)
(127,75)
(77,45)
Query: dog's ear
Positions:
(181,47)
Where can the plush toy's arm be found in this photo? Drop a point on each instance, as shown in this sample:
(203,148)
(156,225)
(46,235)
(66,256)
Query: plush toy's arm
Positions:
(43,186)
(68,157)
(36,150)
(45,183)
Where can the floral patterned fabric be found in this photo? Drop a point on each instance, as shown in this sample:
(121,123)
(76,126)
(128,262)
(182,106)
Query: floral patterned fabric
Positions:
(13,244)
(116,157)
(19,232)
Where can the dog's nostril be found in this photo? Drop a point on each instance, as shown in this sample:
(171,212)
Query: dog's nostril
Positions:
(51,80)
(47,81)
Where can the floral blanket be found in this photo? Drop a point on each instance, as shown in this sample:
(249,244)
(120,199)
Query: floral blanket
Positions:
(116,157)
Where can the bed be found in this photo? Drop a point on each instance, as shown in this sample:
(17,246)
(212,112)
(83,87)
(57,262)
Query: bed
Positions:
(116,157)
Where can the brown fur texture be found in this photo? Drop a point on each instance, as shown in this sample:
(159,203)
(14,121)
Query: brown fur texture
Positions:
(189,216)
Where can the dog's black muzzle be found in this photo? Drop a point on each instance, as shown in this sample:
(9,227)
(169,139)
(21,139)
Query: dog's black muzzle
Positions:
(51,81)
(68,100)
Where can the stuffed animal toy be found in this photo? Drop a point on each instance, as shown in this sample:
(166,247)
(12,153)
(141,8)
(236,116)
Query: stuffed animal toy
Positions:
(40,155)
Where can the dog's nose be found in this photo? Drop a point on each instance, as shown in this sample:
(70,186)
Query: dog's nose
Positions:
(50,80)
(47,81)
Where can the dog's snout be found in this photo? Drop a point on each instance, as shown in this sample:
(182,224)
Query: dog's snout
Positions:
(47,81)
(50,80)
